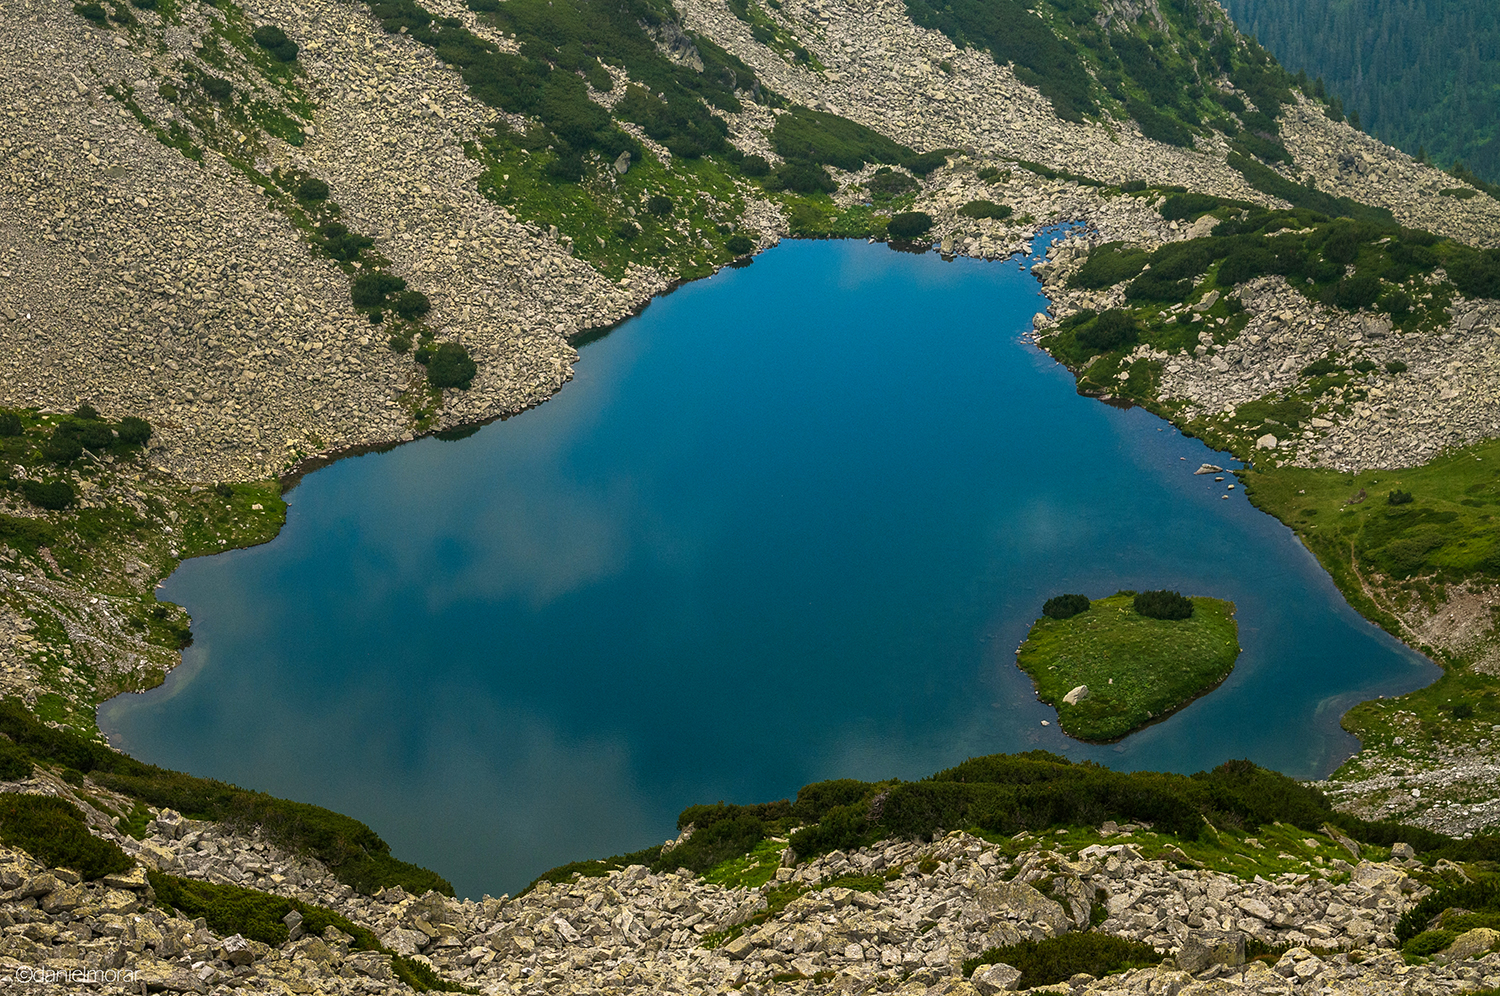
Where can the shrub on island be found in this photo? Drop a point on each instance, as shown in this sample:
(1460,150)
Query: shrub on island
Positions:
(1163,605)
(1065,606)
(909,225)
(1113,669)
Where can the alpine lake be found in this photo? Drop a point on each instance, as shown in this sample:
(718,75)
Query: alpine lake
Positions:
(791,523)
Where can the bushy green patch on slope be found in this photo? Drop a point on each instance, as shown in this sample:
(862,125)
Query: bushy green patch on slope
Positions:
(1057,959)
(53,831)
(261,916)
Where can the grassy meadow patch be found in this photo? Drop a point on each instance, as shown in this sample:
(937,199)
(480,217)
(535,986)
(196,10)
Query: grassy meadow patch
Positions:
(1136,669)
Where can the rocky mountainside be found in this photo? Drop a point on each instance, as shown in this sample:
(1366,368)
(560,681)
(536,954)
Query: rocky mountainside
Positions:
(275,246)
(905,917)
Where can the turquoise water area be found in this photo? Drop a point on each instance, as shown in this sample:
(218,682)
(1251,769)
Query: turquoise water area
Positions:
(789,524)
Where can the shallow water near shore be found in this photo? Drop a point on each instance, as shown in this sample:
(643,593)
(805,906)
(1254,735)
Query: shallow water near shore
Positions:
(788,524)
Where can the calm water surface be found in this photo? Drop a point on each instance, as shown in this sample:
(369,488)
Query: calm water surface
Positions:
(789,524)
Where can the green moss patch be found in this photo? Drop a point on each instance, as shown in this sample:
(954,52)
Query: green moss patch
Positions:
(1136,669)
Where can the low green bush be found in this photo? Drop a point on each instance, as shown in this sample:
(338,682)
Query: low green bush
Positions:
(10,424)
(1323,368)
(626,229)
(1395,367)
(53,831)
(1065,606)
(312,189)
(134,431)
(1057,959)
(1108,265)
(451,366)
(92,11)
(274,40)
(830,140)
(411,304)
(1398,497)
(342,244)
(53,495)
(739,245)
(1181,207)
(1358,291)
(144,4)
(15,763)
(1428,943)
(1481,895)
(63,445)
(909,225)
(219,89)
(801,177)
(1163,605)
(659,205)
(985,209)
(370,288)
(1112,330)
(887,183)
(755,166)
(926,162)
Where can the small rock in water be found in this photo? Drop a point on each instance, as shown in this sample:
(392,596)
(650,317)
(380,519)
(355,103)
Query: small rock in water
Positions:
(1045,723)
(1208,468)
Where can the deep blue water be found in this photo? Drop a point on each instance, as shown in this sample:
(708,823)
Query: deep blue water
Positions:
(789,524)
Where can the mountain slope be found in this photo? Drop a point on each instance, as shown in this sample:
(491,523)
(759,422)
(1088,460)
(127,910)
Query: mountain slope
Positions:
(266,227)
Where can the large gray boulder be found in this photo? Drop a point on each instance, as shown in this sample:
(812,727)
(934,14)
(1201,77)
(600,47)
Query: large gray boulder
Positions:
(1202,949)
(992,979)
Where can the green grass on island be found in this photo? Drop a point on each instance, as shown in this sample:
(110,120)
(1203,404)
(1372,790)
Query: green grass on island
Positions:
(1137,670)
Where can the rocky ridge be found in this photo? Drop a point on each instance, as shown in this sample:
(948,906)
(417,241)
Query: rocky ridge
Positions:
(917,912)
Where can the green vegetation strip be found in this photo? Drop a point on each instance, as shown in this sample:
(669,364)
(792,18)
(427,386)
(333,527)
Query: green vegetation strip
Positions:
(260,916)
(1005,797)
(53,831)
(1057,959)
(1135,669)
(350,849)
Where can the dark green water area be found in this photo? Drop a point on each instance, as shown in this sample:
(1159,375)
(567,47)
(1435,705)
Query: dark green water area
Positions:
(789,524)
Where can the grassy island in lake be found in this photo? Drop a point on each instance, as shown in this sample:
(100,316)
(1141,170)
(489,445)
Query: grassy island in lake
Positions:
(1136,669)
